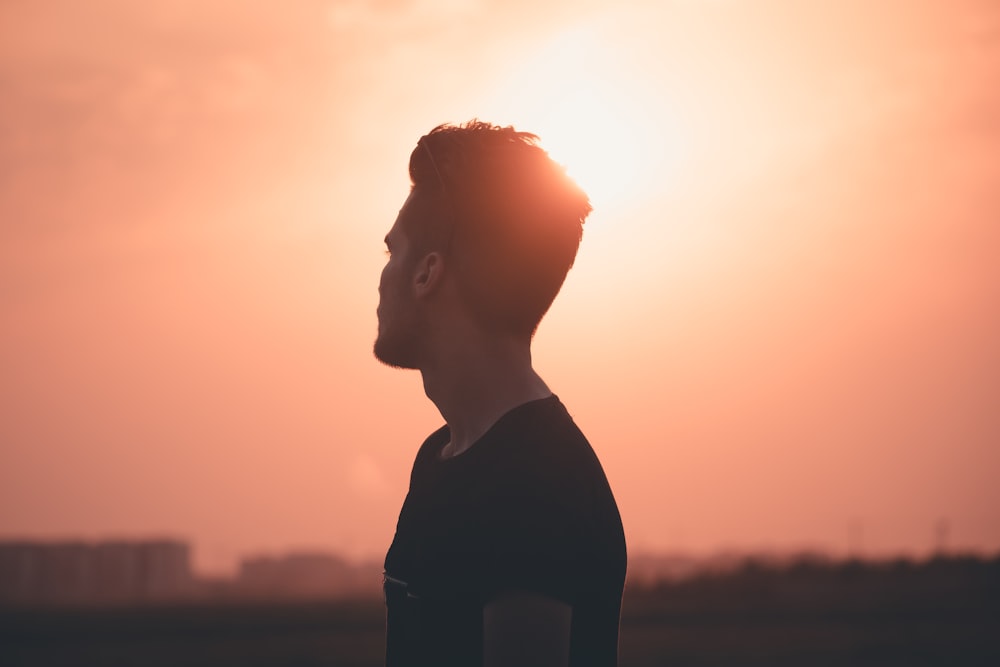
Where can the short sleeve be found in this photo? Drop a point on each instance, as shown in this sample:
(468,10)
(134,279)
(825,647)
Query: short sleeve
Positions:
(533,539)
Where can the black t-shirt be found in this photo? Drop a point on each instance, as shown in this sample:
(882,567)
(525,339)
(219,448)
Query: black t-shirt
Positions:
(527,507)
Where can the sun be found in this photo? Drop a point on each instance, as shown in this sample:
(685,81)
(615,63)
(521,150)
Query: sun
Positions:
(593,116)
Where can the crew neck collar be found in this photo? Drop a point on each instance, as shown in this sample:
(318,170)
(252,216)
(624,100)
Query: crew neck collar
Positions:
(492,432)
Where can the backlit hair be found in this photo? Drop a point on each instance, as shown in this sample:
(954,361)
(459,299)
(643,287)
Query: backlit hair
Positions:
(507,215)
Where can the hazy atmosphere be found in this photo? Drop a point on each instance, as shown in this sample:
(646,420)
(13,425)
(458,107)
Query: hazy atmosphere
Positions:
(782,330)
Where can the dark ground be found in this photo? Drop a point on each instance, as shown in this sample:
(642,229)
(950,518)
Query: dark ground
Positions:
(942,612)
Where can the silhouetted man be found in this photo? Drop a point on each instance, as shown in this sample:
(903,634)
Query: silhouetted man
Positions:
(509,548)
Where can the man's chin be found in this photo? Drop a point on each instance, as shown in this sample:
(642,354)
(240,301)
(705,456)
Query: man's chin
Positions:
(391,356)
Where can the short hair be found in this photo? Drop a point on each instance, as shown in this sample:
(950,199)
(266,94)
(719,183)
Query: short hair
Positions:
(506,214)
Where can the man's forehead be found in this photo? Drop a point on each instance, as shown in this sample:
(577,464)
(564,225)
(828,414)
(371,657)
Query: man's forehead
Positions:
(413,201)
(413,207)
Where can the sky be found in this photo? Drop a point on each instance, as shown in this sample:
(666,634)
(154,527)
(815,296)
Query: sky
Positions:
(781,331)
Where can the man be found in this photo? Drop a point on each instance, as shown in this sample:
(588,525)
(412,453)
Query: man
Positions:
(509,548)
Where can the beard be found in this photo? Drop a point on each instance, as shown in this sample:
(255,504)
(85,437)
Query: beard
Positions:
(396,351)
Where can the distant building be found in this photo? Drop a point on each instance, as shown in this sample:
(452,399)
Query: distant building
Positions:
(43,573)
(306,575)
(139,572)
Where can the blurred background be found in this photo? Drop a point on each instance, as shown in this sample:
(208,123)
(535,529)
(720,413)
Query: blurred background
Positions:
(781,333)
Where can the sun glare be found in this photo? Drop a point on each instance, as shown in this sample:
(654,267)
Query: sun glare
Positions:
(586,104)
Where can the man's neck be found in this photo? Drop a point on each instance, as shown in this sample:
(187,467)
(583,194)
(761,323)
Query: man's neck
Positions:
(474,386)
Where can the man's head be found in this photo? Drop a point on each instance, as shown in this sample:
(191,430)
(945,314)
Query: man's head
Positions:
(489,204)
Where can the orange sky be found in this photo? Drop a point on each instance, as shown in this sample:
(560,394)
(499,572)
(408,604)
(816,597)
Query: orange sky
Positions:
(781,332)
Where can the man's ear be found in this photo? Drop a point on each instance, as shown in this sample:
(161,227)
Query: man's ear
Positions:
(429,273)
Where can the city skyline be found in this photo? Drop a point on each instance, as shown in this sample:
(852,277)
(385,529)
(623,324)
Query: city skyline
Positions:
(159,571)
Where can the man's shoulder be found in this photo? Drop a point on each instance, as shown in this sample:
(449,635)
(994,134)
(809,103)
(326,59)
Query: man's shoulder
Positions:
(544,425)
(556,444)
